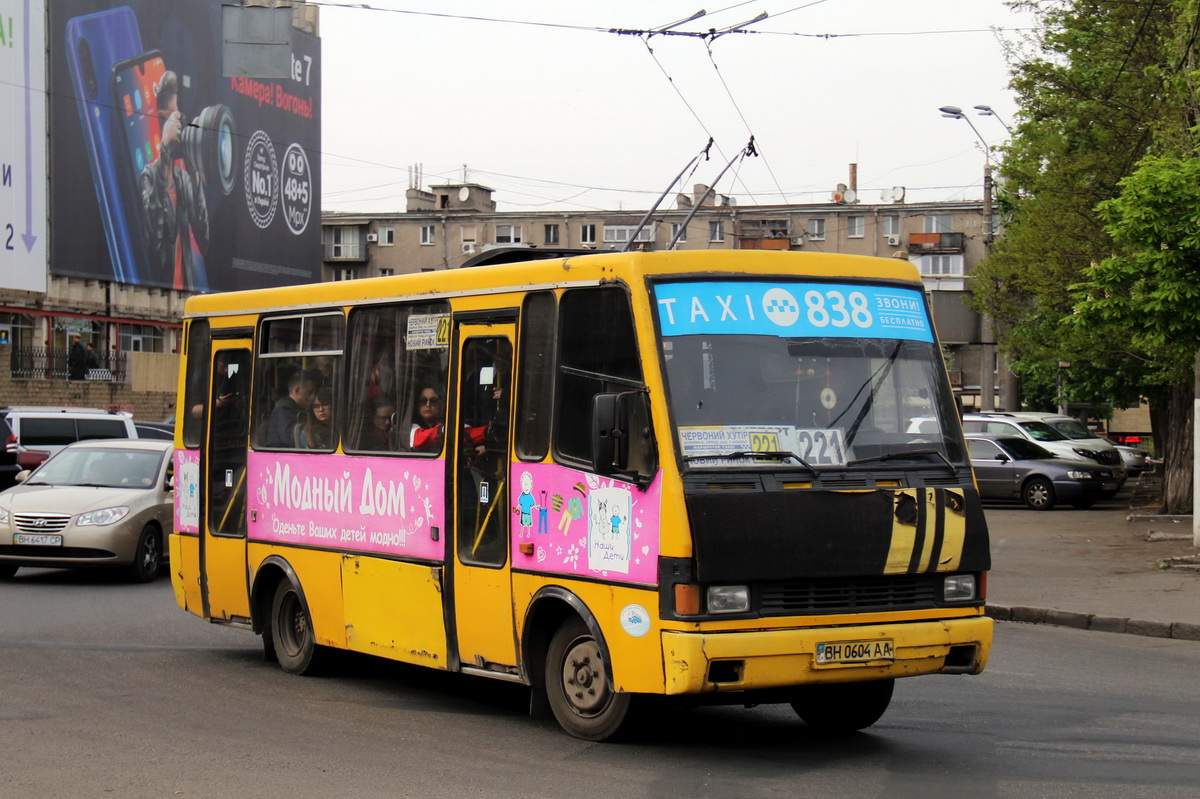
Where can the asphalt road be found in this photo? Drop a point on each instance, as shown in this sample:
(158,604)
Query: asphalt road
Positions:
(109,689)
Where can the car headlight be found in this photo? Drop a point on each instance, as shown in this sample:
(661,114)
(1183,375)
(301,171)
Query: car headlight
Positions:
(1079,475)
(3,516)
(1086,453)
(98,518)
(959,588)
(728,599)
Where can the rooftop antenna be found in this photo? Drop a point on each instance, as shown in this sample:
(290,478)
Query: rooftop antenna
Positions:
(661,197)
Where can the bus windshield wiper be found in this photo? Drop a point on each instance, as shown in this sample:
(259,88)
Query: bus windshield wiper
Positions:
(908,453)
(753,453)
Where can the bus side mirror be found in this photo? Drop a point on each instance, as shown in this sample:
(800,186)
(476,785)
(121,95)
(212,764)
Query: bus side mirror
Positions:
(622,442)
(607,434)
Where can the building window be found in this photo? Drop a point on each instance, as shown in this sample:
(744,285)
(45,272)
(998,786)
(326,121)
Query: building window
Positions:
(468,234)
(816,229)
(765,229)
(622,234)
(716,231)
(387,236)
(587,234)
(678,232)
(939,223)
(508,234)
(141,338)
(891,225)
(342,241)
(386,271)
(428,234)
(855,227)
(948,265)
(345,274)
(551,234)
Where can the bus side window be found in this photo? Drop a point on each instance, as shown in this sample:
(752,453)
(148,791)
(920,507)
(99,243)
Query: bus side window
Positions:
(598,355)
(395,356)
(535,381)
(199,348)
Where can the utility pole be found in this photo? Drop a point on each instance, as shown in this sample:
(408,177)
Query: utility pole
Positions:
(987,336)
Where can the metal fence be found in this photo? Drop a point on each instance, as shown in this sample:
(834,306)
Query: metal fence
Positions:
(52,363)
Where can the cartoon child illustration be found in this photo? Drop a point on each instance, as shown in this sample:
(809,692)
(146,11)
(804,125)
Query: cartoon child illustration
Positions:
(526,503)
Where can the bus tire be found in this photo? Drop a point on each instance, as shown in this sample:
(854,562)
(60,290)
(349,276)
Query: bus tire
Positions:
(292,634)
(579,685)
(842,708)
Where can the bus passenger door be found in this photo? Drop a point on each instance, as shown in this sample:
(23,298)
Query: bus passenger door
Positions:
(223,581)
(481,579)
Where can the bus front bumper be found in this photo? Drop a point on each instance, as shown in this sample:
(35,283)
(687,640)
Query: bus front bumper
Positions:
(744,661)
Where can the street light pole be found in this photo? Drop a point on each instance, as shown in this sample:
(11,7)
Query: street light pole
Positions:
(987,331)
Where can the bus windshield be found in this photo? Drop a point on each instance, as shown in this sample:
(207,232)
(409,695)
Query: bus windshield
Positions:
(751,396)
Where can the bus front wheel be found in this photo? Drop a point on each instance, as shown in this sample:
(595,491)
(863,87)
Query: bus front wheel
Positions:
(843,707)
(579,685)
(292,631)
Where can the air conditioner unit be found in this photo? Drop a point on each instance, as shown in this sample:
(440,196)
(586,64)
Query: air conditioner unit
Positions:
(894,241)
(468,249)
(798,241)
(372,237)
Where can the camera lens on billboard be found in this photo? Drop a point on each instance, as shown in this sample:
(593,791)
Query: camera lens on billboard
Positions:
(208,142)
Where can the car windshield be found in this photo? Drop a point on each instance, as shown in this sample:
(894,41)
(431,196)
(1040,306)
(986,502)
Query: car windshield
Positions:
(1042,431)
(1024,450)
(1072,429)
(106,468)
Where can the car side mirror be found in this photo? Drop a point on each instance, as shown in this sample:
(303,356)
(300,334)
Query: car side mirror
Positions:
(22,475)
(1002,458)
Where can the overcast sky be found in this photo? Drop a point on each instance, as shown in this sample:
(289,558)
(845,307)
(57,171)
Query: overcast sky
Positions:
(535,98)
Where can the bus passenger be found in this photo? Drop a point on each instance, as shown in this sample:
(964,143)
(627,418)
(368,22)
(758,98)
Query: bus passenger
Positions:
(375,432)
(427,429)
(289,410)
(317,431)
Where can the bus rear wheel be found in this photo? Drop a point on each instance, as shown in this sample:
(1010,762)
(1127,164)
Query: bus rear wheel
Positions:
(292,631)
(843,707)
(579,685)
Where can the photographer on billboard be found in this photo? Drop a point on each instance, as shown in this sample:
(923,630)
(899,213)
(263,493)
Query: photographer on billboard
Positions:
(173,203)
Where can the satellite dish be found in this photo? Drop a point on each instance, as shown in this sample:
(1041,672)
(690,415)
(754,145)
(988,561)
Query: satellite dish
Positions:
(464,194)
(850,196)
(897,194)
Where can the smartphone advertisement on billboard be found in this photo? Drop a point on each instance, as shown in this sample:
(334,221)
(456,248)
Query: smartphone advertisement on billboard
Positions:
(167,173)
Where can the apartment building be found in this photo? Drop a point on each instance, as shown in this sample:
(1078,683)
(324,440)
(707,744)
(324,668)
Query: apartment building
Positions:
(444,226)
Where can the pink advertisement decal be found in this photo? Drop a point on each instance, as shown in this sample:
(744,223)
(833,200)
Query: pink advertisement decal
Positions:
(187,491)
(582,524)
(387,506)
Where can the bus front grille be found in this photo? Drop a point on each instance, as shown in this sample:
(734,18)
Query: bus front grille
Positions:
(851,595)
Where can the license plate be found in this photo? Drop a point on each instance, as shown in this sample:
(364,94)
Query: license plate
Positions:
(839,652)
(23,539)
(1109,486)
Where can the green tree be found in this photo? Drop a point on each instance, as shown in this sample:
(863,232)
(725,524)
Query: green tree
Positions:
(1099,87)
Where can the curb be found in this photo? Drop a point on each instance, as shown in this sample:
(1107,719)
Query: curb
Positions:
(1179,630)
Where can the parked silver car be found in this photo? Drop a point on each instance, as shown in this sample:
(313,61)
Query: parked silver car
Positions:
(1136,459)
(1007,467)
(95,503)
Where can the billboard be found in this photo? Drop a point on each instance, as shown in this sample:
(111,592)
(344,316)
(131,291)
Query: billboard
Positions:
(23,145)
(165,171)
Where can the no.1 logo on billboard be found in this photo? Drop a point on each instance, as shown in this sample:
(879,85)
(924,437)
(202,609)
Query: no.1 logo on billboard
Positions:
(262,179)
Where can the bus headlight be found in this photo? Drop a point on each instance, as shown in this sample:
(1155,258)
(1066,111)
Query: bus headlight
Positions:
(728,599)
(959,588)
